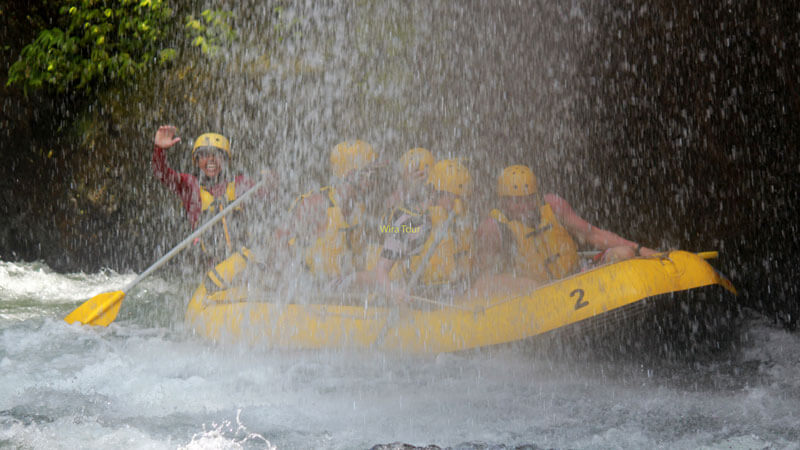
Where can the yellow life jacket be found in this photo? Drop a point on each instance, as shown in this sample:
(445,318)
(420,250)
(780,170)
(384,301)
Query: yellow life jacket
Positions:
(211,206)
(374,250)
(221,276)
(329,253)
(544,253)
(450,260)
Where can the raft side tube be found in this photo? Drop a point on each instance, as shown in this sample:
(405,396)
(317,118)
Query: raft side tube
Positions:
(496,320)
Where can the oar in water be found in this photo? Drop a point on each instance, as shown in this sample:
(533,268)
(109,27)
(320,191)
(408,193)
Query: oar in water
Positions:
(103,308)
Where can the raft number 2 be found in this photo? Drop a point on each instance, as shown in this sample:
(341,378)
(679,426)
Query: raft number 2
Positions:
(579,303)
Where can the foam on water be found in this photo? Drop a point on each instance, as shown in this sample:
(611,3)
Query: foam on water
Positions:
(23,281)
(133,385)
(215,438)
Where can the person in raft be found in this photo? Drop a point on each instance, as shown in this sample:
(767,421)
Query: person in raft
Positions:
(412,171)
(326,226)
(207,192)
(410,193)
(536,237)
(427,245)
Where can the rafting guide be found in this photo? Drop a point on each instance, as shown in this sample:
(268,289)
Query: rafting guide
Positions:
(208,191)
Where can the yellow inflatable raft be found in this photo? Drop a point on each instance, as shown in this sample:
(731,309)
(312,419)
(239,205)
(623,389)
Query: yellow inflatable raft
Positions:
(219,311)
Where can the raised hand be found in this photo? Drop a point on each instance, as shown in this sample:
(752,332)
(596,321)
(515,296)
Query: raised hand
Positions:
(165,136)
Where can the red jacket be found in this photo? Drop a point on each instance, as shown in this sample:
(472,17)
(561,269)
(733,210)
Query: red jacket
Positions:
(187,186)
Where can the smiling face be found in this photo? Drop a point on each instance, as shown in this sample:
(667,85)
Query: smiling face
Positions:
(210,161)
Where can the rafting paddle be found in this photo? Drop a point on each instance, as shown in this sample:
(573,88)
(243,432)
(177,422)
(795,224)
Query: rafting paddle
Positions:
(102,309)
(705,255)
(440,233)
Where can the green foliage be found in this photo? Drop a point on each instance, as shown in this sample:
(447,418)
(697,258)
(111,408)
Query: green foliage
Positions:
(284,28)
(210,31)
(97,41)
(100,41)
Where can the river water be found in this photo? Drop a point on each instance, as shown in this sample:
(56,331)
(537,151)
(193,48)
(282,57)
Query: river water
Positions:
(466,80)
(147,382)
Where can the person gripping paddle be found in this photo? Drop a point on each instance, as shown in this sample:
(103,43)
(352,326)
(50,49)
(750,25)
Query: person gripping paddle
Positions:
(209,190)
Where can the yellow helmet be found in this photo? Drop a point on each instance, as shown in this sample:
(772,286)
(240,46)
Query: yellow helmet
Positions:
(212,140)
(348,156)
(450,176)
(516,181)
(417,159)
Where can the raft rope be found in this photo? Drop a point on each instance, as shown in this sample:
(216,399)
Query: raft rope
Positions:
(442,304)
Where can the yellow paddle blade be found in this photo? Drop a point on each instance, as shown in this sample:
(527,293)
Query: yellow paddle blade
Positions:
(100,310)
(708,255)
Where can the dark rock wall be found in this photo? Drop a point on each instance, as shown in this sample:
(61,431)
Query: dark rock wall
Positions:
(694,113)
